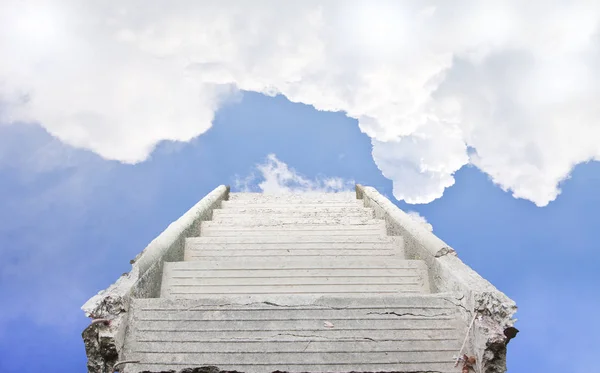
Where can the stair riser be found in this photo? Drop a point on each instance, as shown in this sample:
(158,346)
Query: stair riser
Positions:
(301,345)
(209,232)
(287,209)
(315,335)
(280,214)
(409,279)
(211,229)
(242,274)
(329,254)
(399,361)
(297,239)
(292,246)
(292,221)
(199,292)
(291,205)
(260,197)
(294,263)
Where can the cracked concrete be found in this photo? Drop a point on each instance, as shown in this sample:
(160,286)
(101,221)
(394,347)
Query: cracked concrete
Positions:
(448,273)
(407,314)
(445,251)
(452,282)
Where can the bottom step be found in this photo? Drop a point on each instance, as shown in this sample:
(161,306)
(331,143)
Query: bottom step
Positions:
(384,334)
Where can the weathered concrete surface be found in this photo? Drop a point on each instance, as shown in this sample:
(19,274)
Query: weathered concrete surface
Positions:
(261,279)
(104,341)
(238,304)
(286,197)
(385,334)
(251,221)
(212,229)
(300,204)
(201,248)
(493,309)
(351,212)
(283,209)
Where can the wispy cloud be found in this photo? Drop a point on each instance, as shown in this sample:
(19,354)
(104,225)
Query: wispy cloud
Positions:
(515,81)
(275,176)
(420,219)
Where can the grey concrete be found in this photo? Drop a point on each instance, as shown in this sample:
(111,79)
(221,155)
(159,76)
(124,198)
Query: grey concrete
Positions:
(206,254)
(401,333)
(294,239)
(310,282)
(198,248)
(262,278)
(493,309)
(104,341)
(286,209)
(283,220)
(226,214)
(309,196)
(373,228)
(291,205)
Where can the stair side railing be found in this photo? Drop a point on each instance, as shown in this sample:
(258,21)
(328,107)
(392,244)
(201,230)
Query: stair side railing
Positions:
(491,310)
(105,336)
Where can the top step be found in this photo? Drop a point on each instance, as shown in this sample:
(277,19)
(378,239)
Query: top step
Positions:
(291,197)
(292,204)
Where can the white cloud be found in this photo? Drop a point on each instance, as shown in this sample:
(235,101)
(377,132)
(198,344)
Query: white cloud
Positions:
(415,216)
(516,81)
(276,177)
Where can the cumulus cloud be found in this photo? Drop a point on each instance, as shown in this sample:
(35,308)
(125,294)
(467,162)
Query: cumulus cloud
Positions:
(276,177)
(420,219)
(508,86)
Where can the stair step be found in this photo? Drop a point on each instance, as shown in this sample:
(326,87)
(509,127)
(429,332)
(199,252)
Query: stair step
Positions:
(401,333)
(275,220)
(374,228)
(288,209)
(291,205)
(348,213)
(309,196)
(300,240)
(288,275)
(199,248)
(207,254)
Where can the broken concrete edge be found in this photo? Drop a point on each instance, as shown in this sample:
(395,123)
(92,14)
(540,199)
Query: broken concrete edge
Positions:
(494,310)
(104,340)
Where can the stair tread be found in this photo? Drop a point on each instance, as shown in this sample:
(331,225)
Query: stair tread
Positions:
(400,333)
(291,205)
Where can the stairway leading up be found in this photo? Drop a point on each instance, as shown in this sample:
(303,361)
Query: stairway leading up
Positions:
(294,283)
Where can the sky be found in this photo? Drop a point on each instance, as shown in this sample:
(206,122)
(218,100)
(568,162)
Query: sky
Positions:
(481,119)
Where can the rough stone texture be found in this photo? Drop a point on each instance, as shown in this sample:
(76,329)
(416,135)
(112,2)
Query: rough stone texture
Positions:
(395,333)
(212,229)
(261,279)
(100,347)
(305,241)
(448,273)
(104,342)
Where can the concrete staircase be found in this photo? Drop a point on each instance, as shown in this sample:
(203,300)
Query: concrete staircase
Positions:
(295,283)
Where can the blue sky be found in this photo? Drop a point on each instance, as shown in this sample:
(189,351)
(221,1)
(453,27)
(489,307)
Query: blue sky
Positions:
(70,228)
(480,116)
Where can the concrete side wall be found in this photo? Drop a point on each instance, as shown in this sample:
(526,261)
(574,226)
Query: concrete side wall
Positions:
(493,326)
(104,337)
